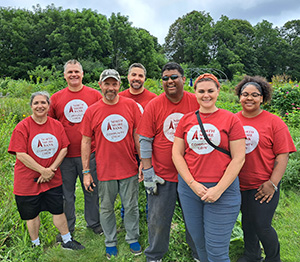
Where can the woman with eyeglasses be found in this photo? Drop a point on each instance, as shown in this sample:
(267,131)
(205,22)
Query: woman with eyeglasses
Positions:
(267,150)
(208,186)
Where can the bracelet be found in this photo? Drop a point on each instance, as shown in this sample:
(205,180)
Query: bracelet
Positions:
(191,182)
(85,172)
(275,187)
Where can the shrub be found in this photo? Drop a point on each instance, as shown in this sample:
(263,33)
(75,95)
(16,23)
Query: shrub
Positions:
(286,98)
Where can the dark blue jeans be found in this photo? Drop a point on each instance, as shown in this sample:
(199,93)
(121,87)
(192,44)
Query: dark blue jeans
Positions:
(210,224)
(257,226)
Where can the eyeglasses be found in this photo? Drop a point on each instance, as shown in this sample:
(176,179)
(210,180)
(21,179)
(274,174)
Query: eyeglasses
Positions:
(254,94)
(166,78)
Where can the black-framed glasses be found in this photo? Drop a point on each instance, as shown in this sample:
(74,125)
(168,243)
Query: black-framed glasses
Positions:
(166,78)
(254,94)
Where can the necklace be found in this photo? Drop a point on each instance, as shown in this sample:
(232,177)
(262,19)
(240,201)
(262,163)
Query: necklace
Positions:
(206,115)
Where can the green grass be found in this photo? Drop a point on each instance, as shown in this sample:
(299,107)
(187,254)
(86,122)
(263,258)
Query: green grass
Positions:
(16,246)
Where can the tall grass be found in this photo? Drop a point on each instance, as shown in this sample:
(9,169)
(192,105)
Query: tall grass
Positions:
(14,239)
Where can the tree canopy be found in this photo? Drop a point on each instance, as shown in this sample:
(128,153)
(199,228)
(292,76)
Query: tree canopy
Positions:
(46,38)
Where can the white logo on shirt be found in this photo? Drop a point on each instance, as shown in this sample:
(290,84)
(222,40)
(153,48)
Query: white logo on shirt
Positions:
(252,138)
(170,125)
(44,145)
(197,142)
(114,128)
(140,107)
(74,110)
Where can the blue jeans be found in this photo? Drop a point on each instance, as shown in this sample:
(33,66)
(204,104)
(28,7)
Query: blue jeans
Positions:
(257,226)
(210,224)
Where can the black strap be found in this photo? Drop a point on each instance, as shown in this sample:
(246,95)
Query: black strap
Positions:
(206,137)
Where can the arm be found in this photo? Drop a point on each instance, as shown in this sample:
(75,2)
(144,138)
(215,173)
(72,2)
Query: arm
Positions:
(85,158)
(237,150)
(266,191)
(182,168)
(137,146)
(59,159)
(146,151)
(46,172)
(150,178)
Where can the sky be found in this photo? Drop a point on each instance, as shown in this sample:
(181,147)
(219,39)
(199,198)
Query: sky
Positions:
(156,16)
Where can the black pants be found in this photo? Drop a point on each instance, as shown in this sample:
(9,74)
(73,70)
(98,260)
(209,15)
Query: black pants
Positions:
(257,226)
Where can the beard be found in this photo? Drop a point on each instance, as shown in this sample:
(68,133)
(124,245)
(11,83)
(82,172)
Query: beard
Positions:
(110,95)
(136,84)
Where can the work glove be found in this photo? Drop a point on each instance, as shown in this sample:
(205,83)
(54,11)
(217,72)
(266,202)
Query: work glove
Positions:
(151,180)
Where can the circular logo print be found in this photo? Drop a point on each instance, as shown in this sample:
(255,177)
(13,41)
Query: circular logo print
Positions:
(197,142)
(114,128)
(252,138)
(44,145)
(74,110)
(170,125)
(140,107)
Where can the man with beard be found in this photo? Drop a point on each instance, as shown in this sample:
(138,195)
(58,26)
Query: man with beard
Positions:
(156,129)
(113,121)
(68,106)
(136,91)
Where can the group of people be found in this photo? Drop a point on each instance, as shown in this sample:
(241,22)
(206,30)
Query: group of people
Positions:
(213,162)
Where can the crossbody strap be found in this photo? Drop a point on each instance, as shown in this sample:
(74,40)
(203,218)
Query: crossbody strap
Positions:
(206,137)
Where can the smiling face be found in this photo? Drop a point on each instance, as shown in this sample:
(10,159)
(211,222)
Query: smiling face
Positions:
(40,106)
(73,75)
(207,94)
(136,78)
(173,87)
(250,104)
(110,88)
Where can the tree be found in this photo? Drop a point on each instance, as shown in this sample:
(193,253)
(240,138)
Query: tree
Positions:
(271,50)
(291,33)
(232,46)
(189,39)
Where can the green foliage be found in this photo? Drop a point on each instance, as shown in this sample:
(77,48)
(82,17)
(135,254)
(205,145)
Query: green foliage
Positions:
(286,99)
(15,241)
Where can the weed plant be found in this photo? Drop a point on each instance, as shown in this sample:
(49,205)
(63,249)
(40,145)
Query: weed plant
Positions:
(14,239)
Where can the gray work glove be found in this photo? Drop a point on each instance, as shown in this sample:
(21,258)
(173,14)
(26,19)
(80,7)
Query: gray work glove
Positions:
(150,181)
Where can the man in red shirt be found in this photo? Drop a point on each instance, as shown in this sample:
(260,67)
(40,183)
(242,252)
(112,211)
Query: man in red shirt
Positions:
(68,106)
(136,91)
(156,129)
(113,121)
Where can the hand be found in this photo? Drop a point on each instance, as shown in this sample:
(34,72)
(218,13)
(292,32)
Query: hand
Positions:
(151,180)
(198,188)
(212,195)
(88,181)
(265,192)
(141,175)
(46,175)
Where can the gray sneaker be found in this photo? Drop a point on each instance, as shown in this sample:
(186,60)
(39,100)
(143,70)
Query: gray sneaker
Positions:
(72,245)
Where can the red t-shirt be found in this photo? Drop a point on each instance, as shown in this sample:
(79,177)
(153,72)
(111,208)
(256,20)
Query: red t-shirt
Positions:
(69,107)
(160,120)
(113,127)
(141,99)
(205,163)
(43,143)
(267,136)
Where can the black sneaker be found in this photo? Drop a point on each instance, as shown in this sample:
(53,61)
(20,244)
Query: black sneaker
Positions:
(72,245)
(98,230)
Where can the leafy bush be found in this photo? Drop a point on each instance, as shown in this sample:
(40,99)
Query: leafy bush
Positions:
(291,178)
(286,98)
(17,107)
